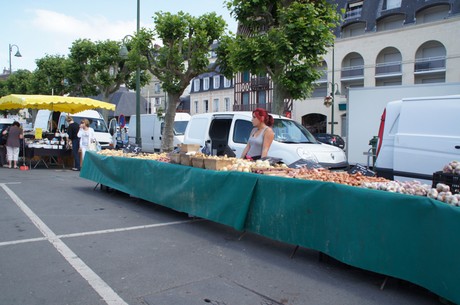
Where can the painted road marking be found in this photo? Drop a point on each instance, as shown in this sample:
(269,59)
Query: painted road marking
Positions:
(97,283)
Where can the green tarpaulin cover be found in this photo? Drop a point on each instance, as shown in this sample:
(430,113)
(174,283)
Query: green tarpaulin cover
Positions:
(408,237)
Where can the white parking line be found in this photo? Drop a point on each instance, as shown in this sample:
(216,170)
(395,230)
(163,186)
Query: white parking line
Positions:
(101,287)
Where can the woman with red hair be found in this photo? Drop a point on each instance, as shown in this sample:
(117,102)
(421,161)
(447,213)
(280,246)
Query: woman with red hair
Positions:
(261,136)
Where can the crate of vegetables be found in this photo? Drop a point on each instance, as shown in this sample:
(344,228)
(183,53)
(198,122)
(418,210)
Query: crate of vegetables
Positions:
(174,158)
(216,164)
(189,147)
(185,159)
(198,162)
(452,180)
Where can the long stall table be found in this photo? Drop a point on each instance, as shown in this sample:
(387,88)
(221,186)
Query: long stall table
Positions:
(407,237)
(47,156)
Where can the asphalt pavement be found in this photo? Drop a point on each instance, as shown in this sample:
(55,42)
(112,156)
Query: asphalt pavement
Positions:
(65,241)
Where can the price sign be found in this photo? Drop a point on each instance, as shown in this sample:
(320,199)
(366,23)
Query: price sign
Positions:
(359,168)
(305,163)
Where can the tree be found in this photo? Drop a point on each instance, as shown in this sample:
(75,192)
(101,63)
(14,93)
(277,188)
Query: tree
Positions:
(97,67)
(284,38)
(186,42)
(50,76)
(18,82)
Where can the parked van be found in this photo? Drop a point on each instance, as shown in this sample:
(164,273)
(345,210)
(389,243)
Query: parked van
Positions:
(55,121)
(417,137)
(152,130)
(220,132)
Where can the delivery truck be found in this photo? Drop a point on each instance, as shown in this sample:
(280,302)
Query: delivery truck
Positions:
(152,130)
(417,137)
(55,121)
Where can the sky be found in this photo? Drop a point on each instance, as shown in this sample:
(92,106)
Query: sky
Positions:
(49,27)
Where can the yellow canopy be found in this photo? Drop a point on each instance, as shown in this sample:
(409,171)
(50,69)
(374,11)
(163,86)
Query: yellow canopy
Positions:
(52,102)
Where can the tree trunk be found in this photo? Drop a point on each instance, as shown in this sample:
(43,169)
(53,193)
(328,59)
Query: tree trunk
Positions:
(279,95)
(167,142)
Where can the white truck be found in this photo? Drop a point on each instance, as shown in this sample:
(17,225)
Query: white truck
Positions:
(417,137)
(221,132)
(152,130)
(45,120)
(365,107)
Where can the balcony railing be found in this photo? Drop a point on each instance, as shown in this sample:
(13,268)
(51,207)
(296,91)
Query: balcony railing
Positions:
(388,68)
(353,13)
(352,72)
(259,83)
(430,64)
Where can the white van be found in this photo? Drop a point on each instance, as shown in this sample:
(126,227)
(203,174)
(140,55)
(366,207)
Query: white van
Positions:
(45,119)
(152,130)
(417,137)
(221,131)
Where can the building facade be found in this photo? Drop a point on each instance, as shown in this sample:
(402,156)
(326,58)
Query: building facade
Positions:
(383,43)
(211,92)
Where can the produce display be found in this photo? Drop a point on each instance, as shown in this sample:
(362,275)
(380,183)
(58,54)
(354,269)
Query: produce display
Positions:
(162,157)
(441,192)
(452,168)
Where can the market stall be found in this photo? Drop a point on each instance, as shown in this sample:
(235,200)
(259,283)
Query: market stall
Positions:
(408,237)
(51,148)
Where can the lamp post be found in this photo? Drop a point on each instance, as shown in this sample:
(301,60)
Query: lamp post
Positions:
(18,54)
(124,53)
(330,99)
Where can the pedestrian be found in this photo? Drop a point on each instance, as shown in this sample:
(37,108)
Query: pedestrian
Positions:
(86,135)
(13,143)
(261,136)
(72,131)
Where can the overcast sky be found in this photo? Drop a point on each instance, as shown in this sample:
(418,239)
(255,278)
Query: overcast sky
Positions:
(48,27)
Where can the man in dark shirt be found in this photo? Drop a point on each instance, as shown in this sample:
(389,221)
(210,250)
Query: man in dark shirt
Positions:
(72,131)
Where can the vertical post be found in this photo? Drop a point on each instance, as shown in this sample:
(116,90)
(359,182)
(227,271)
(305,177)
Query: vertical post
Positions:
(138,93)
(333,92)
(10,49)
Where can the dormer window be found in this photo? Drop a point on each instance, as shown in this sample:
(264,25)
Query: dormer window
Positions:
(216,82)
(354,9)
(390,4)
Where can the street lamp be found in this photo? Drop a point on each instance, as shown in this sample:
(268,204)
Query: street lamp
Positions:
(18,54)
(124,53)
(330,99)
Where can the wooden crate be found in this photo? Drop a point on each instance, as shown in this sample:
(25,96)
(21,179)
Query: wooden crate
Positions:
(189,147)
(216,164)
(198,162)
(175,158)
(185,159)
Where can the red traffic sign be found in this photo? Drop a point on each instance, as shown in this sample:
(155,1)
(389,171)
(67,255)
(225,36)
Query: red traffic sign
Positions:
(121,121)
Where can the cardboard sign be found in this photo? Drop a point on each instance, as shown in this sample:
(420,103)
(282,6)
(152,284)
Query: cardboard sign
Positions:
(359,168)
(310,164)
(38,133)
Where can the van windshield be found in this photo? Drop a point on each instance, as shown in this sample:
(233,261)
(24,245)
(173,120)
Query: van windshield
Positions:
(97,124)
(288,131)
(179,127)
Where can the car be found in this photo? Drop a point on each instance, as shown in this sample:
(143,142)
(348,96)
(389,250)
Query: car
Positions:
(331,139)
(227,133)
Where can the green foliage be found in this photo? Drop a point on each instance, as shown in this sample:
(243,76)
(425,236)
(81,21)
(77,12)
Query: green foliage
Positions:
(18,82)
(284,38)
(182,55)
(50,76)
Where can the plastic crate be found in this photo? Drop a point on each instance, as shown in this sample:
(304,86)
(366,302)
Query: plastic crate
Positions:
(453,181)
